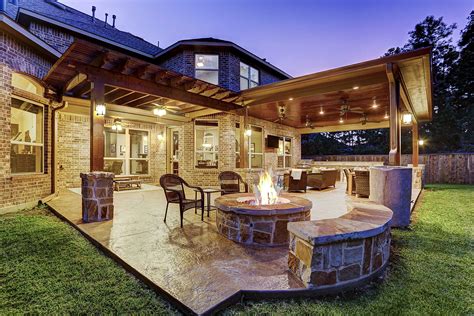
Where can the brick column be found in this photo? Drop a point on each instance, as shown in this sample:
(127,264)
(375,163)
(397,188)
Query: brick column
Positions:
(97,196)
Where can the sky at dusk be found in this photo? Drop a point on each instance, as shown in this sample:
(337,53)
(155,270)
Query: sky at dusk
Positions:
(298,36)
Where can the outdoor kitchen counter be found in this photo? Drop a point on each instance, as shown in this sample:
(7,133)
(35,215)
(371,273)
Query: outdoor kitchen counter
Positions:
(341,253)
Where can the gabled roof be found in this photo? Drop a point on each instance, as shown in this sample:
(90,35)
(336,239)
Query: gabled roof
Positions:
(54,12)
(210,41)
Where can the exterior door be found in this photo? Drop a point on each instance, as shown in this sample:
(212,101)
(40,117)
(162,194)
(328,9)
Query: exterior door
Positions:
(173,150)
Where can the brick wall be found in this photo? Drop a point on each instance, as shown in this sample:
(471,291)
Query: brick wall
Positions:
(206,177)
(229,67)
(73,149)
(53,36)
(18,190)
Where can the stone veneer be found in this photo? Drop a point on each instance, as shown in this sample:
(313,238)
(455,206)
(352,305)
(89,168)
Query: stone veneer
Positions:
(343,252)
(259,225)
(97,196)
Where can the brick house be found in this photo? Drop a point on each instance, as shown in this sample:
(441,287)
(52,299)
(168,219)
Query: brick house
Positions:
(78,94)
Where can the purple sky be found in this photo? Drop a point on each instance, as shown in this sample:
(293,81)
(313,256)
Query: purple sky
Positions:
(298,36)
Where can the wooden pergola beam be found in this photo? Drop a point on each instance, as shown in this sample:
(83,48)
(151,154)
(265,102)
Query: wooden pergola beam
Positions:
(144,86)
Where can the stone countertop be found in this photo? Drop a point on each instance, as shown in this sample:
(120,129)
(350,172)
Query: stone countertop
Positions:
(229,203)
(362,221)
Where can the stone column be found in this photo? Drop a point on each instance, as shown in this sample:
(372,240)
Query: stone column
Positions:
(392,187)
(97,196)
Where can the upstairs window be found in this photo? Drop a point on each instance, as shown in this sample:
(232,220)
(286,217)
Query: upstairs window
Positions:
(207,68)
(249,76)
(26,137)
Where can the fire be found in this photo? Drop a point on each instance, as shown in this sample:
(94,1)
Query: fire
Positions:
(265,192)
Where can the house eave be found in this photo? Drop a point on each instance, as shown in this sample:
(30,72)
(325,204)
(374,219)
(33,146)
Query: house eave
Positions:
(10,26)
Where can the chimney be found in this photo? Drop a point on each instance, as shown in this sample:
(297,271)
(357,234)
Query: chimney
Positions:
(106,17)
(113,20)
(158,44)
(93,13)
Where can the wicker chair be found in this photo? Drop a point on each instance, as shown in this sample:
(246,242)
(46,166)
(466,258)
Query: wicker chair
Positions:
(293,185)
(362,183)
(323,179)
(231,182)
(173,186)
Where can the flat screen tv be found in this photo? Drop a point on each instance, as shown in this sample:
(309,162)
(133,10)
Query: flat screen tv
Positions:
(272,141)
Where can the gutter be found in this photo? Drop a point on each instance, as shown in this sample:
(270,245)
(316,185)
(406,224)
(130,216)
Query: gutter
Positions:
(53,146)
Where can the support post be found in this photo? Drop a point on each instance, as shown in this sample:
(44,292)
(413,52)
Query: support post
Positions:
(394,156)
(97,127)
(415,148)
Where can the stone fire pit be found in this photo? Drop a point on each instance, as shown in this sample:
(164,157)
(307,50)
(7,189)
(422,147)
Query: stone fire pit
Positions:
(240,221)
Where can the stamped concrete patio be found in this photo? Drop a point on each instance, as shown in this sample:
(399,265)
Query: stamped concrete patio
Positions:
(194,266)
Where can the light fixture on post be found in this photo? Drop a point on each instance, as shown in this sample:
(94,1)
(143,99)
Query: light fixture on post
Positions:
(406,118)
(100,109)
(117,125)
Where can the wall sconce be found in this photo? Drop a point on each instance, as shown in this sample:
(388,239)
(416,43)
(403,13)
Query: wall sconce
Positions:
(406,118)
(100,109)
(421,142)
(117,126)
(161,137)
(248,131)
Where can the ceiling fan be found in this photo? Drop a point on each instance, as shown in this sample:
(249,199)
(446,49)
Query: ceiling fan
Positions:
(308,122)
(346,108)
(281,114)
(161,109)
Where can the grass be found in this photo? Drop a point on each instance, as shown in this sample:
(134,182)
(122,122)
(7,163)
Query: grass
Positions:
(47,267)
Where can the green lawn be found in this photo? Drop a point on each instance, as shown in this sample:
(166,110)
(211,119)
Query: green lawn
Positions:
(47,267)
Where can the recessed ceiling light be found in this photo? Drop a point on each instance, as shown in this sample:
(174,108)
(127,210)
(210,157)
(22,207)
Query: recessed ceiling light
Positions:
(355,87)
(341,120)
(321,111)
(291,99)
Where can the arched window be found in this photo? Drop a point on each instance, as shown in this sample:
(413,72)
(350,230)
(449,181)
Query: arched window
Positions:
(27,83)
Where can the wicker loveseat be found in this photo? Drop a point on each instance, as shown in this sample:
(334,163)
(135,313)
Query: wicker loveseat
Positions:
(322,179)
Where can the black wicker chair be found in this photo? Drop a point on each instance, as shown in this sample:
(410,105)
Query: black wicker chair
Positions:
(173,186)
(230,183)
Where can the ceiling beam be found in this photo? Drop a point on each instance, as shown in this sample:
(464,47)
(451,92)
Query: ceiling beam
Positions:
(343,127)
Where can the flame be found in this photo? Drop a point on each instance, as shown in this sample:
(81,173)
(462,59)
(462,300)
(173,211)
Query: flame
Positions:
(266,193)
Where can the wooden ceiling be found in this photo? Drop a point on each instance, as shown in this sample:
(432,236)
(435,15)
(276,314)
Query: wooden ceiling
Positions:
(134,82)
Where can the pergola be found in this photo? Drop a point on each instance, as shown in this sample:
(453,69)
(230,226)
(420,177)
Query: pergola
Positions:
(359,96)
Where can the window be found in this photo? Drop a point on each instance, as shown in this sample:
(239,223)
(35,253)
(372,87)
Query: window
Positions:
(207,68)
(256,147)
(249,76)
(284,152)
(126,151)
(26,137)
(206,143)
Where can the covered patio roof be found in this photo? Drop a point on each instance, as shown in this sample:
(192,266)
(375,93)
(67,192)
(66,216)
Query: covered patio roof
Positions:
(316,102)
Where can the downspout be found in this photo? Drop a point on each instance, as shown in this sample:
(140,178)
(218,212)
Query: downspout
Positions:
(54,124)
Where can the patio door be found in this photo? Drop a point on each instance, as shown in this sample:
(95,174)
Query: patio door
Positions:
(173,150)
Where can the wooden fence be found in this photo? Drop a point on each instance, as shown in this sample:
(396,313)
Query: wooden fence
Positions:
(439,168)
